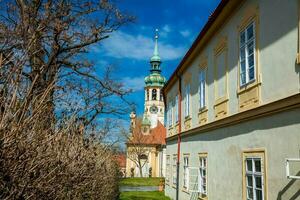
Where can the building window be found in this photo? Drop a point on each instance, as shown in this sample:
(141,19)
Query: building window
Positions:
(254,178)
(176,109)
(187,101)
(154,94)
(203,175)
(169,114)
(147,94)
(202,83)
(174,169)
(168,169)
(247,55)
(185,171)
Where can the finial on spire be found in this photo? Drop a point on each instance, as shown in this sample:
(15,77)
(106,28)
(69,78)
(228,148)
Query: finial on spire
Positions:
(155,53)
(156,34)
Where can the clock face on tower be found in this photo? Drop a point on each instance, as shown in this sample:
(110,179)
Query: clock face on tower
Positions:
(153,109)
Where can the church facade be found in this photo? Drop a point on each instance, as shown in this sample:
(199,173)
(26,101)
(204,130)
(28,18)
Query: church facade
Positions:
(146,145)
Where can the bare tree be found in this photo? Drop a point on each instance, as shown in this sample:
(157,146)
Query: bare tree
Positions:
(37,165)
(51,98)
(52,37)
(138,149)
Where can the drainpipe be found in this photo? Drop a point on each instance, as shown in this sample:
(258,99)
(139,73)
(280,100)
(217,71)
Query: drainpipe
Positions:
(178,136)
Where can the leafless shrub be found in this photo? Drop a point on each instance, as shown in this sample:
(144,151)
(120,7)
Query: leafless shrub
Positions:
(46,149)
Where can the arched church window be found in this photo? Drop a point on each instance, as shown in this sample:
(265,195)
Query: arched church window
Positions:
(147,94)
(143,157)
(154,93)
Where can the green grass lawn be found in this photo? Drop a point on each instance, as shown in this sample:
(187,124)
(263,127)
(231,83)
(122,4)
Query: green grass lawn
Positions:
(140,181)
(143,196)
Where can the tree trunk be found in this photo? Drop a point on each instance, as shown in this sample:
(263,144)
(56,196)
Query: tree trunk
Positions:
(141,168)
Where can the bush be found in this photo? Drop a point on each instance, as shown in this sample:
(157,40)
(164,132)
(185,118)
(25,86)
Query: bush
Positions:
(35,165)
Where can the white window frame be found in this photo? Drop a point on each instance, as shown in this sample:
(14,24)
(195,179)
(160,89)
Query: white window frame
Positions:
(185,171)
(253,174)
(168,168)
(202,168)
(176,109)
(187,100)
(169,114)
(202,89)
(174,170)
(245,47)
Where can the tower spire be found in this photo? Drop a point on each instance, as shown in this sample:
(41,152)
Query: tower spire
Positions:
(155,59)
(155,53)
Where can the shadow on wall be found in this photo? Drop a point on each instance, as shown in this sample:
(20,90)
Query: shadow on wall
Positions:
(265,123)
(291,191)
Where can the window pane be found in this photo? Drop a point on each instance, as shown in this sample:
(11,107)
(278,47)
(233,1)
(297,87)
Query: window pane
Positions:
(250,32)
(258,182)
(249,164)
(242,38)
(250,47)
(249,181)
(251,73)
(251,61)
(242,54)
(257,164)
(259,195)
(249,193)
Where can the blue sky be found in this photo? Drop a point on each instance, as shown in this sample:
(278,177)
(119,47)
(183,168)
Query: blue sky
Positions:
(130,48)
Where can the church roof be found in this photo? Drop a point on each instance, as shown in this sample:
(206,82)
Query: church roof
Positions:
(157,135)
(121,160)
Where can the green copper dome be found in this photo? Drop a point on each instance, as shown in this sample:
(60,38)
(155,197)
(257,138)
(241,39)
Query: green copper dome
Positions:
(146,122)
(155,80)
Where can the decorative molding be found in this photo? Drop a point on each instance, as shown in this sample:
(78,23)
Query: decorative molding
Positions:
(221,109)
(249,94)
(288,103)
(253,153)
(187,123)
(202,116)
(221,47)
(249,97)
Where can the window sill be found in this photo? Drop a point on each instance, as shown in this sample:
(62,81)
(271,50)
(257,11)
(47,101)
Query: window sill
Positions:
(202,197)
(185,190)
(187,118)
(174,186)
(221,100)
(247,87)
(202,110)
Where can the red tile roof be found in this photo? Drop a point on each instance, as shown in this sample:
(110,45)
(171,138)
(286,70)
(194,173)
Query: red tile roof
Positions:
(121,160)
(157,135)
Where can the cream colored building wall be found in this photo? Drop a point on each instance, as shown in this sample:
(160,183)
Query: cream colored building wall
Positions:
(277,35)
(278,135)
(153,161)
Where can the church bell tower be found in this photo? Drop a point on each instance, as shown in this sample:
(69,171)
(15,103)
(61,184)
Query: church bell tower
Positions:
(154,104)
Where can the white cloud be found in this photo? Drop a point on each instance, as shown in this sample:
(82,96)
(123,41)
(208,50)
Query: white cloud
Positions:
(185,33)
(166,28)
(139,47)
(134,83)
